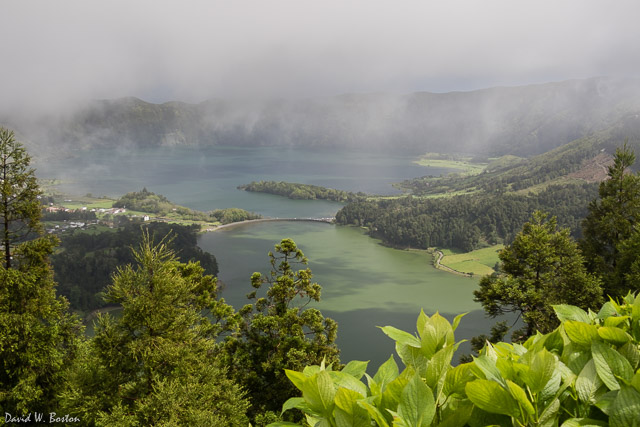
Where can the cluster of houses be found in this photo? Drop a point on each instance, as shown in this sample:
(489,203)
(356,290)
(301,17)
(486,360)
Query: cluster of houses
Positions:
(75,224)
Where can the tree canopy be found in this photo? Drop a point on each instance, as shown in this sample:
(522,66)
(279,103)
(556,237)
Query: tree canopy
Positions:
(279,332)
(542,267)
(612,219)
(39,338)
(156,363)
(19,192)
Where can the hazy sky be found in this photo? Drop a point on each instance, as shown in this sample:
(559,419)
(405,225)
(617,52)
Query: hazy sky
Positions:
(57,51)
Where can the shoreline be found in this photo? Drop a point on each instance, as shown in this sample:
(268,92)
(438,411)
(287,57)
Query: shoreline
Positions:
(437,265)
(436,255)
(253,221)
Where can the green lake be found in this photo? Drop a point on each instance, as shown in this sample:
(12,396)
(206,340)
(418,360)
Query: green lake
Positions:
(364,283)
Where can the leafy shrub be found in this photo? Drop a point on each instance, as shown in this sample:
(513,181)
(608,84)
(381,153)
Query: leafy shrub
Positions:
(582,373)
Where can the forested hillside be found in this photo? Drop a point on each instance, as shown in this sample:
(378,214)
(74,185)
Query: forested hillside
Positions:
(524,121)
(465,222)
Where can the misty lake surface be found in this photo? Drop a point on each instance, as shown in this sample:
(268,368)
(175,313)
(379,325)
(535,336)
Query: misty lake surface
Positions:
(364,283)
(206,179)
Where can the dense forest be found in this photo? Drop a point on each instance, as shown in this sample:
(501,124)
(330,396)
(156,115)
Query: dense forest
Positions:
(465,222)
(84,262)
(302,191)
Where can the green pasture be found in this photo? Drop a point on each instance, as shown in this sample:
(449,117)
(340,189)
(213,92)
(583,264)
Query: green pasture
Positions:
(465,167)
(479,262)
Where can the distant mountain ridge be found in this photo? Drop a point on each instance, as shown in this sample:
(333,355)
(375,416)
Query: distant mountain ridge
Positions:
(522,121)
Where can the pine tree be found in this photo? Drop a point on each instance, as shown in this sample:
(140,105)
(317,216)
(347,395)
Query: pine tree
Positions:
(39,338)
(156,364)
(19,192)
(278,332)
(543,266)
(611,220)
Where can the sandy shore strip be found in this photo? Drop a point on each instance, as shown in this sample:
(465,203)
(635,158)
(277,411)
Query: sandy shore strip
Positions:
(253,221)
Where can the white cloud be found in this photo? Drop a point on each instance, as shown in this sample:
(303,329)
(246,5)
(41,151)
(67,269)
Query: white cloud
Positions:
(69,50)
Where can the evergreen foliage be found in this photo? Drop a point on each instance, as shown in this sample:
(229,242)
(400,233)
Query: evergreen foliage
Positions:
(542,267)
(611,221)
(19,192)
(157,363)
(39,338)
(464,222)
(85,263)
(278,332)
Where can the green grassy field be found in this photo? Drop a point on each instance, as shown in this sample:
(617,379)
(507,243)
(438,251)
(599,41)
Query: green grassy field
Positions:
(465,167)
(479,262)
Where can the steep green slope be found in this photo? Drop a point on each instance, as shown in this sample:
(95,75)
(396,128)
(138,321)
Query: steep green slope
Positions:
(553,167)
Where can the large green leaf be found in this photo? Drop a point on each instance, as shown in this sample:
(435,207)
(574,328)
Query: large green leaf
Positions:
(488,367)
(417,406)
(635,309)
(319,392)
(456,321)
(631,352)
(387,372)
(374,413)
(393,392)
(587,383)
(554,341)
(542,367)
(625,411)
(607,310)
(297,378)
(413,357)
(580,333)
(341,379)
(605,401)
(521,396)
(422,320)
(355,368)
(443,328)
(347,412)
(294,402)
(616,321)
(569,312)
(437,368)
(610,364)
(492,397)
(614,335)
(550,414)
(457,378)
(401,337)
(429,340)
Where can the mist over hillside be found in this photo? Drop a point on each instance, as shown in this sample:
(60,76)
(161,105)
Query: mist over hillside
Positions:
(523,121)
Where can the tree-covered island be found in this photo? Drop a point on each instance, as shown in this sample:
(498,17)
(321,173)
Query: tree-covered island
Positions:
(302,191)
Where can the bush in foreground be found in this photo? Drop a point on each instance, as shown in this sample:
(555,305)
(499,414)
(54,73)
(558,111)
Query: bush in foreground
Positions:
(582,373)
